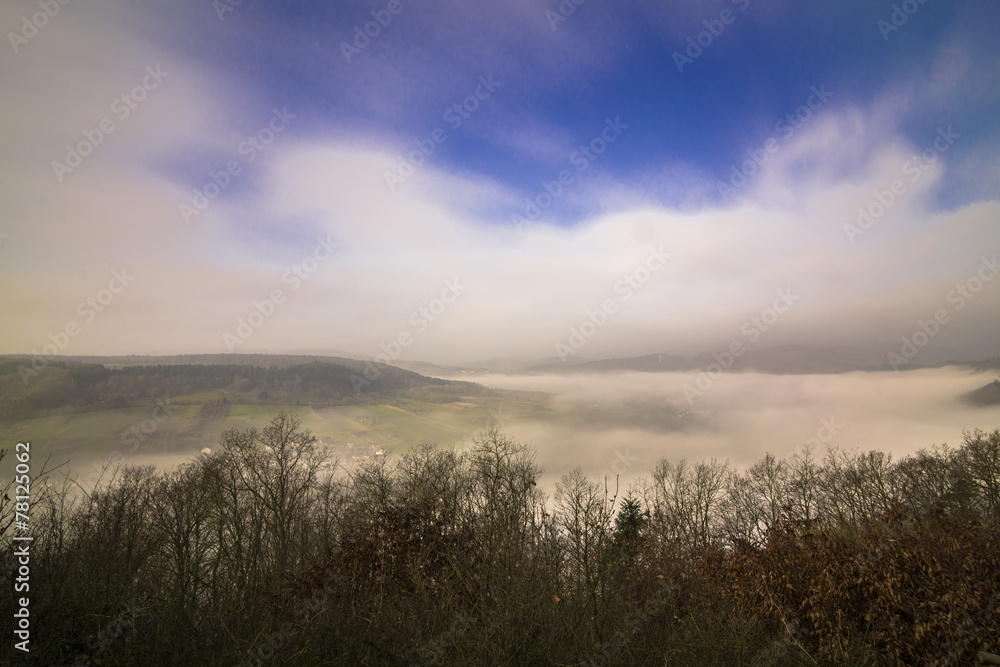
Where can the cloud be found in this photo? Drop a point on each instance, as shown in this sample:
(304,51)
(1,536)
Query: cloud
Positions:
(322,178)
(525,289)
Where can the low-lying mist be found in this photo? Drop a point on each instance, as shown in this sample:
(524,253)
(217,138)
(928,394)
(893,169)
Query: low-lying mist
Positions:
(622,423)
(625,422)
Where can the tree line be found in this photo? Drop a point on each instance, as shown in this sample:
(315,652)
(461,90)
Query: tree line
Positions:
(266,551)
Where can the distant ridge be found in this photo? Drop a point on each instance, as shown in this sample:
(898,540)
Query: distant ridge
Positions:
(262,360)
(984,396)
(779,360)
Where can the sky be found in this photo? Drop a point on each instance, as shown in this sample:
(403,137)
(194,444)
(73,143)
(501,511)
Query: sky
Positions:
(453,182)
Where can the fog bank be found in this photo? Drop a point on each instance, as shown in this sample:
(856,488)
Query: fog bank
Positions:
(625,422)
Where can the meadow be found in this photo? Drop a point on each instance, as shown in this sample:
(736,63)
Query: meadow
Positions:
(167,432)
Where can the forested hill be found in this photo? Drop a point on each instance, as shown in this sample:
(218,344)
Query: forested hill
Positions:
(335,381)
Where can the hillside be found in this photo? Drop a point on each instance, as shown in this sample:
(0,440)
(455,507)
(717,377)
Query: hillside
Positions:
(778,360)
(984,396)
(82,412)
(98,383)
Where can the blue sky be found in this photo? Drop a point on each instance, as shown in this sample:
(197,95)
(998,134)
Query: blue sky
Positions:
(560,79)
(314,131)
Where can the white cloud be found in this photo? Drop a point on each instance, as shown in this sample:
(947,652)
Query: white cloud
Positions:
(525,290)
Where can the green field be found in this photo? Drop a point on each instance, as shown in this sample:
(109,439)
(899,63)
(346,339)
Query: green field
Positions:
(84,437)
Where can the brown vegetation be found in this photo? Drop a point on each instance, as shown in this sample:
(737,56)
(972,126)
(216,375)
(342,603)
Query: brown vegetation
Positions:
(265,553)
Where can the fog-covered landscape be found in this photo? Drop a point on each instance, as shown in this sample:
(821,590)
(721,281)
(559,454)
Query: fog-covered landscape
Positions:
(612,423)
(743,416)
(528,332)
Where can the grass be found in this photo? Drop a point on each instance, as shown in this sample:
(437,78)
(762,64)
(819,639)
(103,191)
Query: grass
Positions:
(86,437)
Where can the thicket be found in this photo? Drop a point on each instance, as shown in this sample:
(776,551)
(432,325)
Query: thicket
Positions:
(265,552)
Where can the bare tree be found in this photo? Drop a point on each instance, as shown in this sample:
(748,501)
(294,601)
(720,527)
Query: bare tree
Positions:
(181,513)
(686,501)
(858,486)
(756,500)
(277,468)
(980,462)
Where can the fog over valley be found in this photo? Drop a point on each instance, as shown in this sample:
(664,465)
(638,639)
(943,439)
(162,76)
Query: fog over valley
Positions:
(645,416)
(326,326)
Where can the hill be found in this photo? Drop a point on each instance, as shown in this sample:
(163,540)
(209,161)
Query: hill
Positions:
(778,360)
(97,383)
(984,396)
(84,412)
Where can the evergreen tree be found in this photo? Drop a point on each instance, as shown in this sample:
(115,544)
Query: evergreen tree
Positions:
(627,536)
